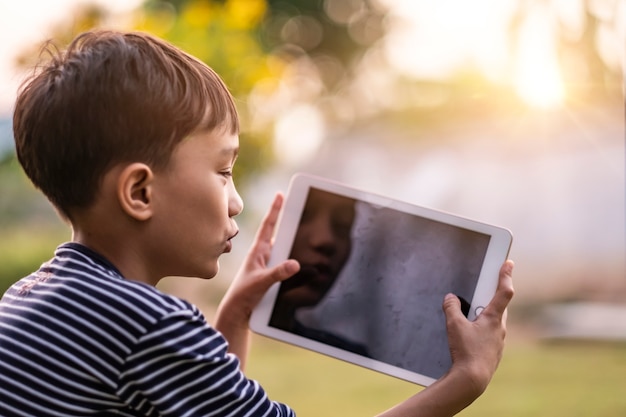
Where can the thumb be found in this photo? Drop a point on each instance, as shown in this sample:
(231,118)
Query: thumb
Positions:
(284,270)
(452,307)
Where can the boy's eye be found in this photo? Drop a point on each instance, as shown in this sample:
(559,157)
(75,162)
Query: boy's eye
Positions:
(227,173)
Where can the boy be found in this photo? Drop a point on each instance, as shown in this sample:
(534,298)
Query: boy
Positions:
(133,142)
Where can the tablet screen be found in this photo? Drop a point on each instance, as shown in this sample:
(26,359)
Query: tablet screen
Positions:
(373,279)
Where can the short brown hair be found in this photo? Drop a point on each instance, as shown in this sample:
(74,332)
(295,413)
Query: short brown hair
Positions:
(110,98)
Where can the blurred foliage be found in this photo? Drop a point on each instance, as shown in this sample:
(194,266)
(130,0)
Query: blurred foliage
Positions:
(224,35)
(253,44)
(247,41)
(277,54)
(30,229)
(20,203)
(24,249)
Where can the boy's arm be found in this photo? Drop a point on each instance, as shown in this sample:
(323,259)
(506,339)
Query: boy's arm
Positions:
(251,283)
(476,349)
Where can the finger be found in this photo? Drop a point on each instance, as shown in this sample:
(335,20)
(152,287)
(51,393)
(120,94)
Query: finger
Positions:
(504,291)
(452,307)
(283,271)
(266,230)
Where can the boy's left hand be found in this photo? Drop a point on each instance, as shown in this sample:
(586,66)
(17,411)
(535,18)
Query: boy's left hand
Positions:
(251,283)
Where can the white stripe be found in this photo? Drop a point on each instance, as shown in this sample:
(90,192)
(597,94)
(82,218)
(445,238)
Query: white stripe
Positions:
(198,327)
(100,302)
(98,287)
(206,375)
(84,312)
(72,330)
(214,398)
(170,342)
(91,395)
(169,381)
(158,301)
(270,407)
(43,368)
(174,354)
(44,342)
(60,254)
(52,400)
(147,379)
(28,348)
(16,411)
(249,386)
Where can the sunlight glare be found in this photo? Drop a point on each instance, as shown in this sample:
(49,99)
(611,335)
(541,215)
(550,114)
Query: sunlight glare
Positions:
(433,39)
(298,134)
(537,78)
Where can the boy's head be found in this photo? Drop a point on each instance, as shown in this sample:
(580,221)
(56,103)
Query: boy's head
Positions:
(112,98)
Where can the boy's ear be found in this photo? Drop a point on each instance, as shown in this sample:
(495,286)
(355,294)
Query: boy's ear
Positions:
(134,191)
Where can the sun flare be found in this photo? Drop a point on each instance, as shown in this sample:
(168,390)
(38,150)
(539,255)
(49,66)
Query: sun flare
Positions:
(537,78)
(539,84)
(433,43)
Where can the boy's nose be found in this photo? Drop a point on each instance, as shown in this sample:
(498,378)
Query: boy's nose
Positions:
(235,203)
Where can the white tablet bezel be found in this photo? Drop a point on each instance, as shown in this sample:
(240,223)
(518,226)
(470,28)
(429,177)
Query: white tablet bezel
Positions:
(497,252)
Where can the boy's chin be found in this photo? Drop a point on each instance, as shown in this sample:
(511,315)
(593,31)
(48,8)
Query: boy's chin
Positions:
(211,272)
(206,272)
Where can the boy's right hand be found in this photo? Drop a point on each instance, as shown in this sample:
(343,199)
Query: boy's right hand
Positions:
(476,349)
(476,346)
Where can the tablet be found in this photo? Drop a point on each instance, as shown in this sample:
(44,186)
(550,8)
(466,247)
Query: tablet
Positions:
(374,273)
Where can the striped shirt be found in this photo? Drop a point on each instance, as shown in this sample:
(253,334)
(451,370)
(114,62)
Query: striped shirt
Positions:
(77,339)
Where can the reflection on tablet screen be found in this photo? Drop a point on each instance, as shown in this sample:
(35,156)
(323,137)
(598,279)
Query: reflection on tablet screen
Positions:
(372,281)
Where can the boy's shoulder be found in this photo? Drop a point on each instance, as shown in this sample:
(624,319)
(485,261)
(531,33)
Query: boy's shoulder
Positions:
(81,280)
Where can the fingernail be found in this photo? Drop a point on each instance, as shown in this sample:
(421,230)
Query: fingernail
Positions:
(509,267)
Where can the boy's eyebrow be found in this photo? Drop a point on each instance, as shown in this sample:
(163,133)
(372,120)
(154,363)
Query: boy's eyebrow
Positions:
(231,151)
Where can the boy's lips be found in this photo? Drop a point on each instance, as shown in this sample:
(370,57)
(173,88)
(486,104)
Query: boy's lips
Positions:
(229,244)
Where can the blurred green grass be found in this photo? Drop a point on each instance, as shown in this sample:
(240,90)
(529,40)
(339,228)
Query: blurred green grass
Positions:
(534,379)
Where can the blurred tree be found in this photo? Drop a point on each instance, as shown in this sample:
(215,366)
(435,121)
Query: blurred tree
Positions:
(224,35)
(256,45)
(276,55)
(336,30)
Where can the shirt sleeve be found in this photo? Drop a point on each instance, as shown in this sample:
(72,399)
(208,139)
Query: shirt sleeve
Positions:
(181,367)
